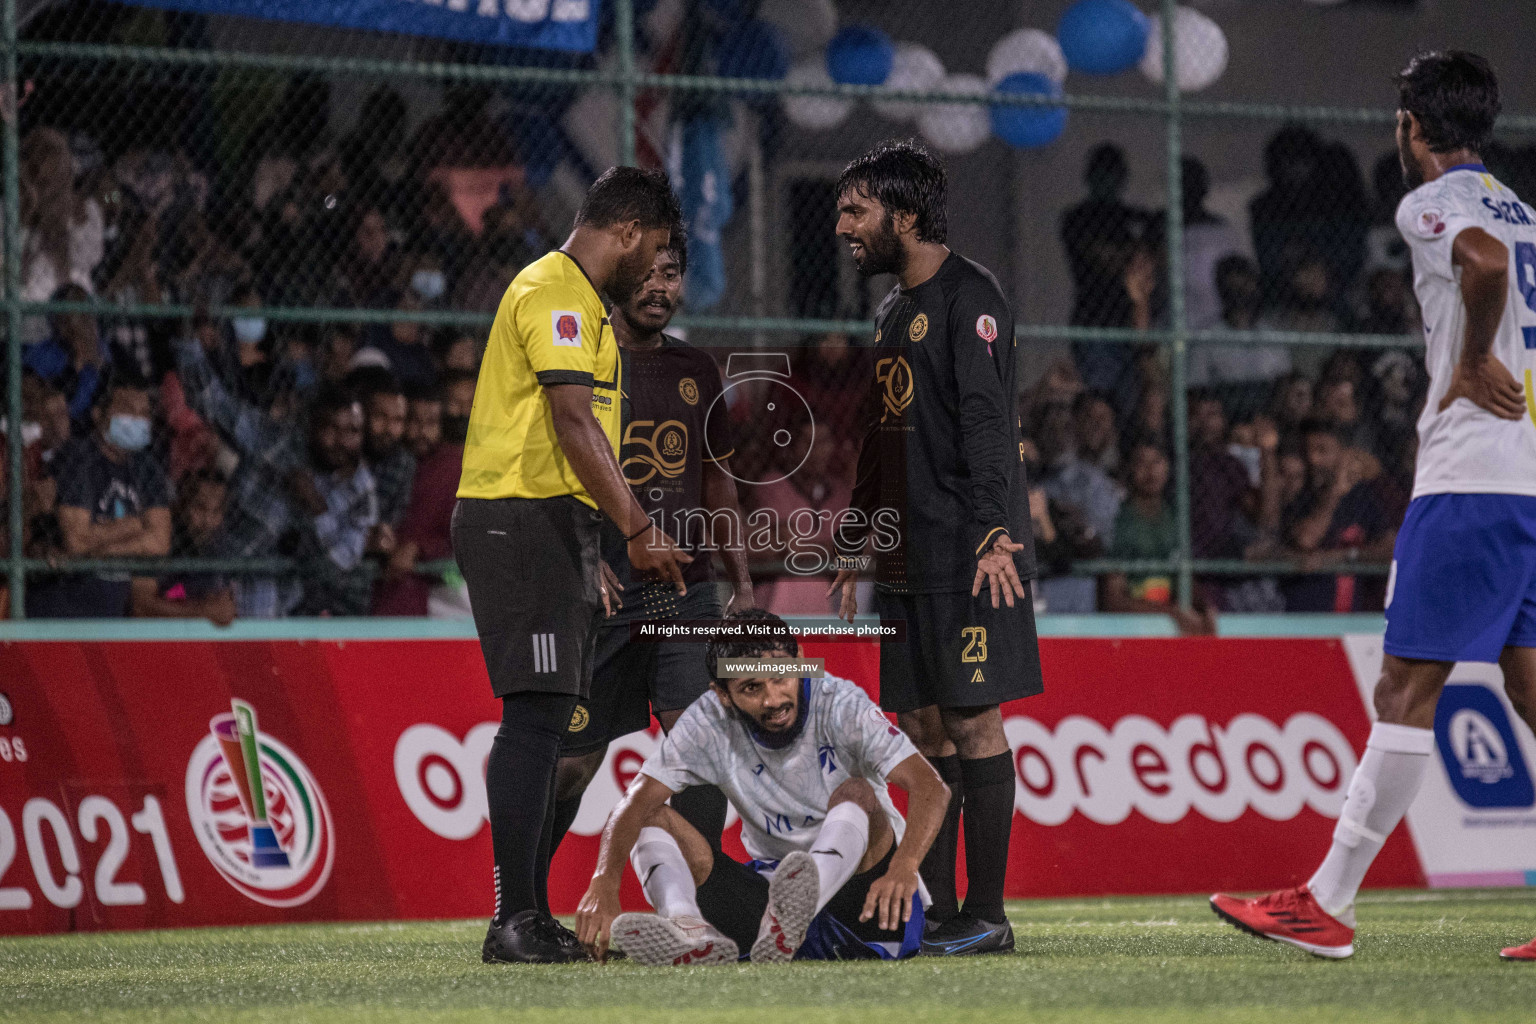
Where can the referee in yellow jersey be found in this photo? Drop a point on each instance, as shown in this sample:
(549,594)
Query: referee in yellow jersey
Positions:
(539,468)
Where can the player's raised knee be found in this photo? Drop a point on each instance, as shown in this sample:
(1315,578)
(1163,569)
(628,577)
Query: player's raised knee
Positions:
(857,792)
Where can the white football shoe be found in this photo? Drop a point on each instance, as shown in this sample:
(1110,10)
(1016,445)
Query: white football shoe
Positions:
(792,894)
(672,941)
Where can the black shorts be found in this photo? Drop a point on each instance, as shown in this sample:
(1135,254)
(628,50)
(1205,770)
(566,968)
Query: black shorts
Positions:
(632,680)
(531,567)
(734,897)
(960,652)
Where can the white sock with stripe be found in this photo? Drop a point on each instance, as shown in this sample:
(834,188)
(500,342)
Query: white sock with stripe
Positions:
(663,872)
(838,848)
(1384,785)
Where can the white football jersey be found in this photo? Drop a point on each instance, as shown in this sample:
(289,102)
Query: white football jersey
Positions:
(782,795)
(1465,449)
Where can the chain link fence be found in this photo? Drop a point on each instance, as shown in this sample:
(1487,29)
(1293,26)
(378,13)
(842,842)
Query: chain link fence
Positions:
(222,226)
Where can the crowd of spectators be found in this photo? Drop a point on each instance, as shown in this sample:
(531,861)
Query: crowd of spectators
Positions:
(334,447)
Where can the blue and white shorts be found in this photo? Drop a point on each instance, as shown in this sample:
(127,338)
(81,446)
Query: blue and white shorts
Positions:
(1463,583)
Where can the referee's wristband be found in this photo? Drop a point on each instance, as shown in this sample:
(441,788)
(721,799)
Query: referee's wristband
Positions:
(639,532)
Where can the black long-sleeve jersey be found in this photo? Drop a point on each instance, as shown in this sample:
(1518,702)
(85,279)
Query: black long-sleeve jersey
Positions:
(941,469)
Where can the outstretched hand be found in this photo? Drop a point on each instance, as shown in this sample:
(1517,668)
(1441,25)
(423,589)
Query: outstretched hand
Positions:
(997,569)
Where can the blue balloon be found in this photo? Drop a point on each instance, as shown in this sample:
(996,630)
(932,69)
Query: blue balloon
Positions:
(754,49)
(860,55)
(1028,127)
(1103,37)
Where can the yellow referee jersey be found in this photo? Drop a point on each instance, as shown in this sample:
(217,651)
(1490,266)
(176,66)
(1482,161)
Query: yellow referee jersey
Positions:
(551,328)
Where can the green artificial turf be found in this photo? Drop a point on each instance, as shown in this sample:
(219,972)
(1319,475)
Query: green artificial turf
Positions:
(1421,957)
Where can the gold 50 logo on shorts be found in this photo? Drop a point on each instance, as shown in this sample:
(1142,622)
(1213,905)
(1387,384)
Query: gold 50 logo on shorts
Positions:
(896,376)
(653,448)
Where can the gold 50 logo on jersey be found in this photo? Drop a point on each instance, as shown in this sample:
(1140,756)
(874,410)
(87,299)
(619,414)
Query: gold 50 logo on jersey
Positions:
(652,449)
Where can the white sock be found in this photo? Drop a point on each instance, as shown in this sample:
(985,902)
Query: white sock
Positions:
(839,847)
(1384,785)
(663,872)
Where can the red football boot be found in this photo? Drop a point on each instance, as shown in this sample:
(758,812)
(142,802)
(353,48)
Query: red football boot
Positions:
(1290,915)
(1525,952)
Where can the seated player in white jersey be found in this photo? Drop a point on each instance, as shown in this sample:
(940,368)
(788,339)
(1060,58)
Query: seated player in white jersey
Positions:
(805,762)
(1463,582)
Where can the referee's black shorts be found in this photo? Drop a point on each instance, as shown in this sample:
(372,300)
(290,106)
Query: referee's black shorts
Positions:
(959,651)
(531,568)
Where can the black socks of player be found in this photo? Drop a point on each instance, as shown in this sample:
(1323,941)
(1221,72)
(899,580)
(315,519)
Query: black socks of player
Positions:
(938,868)
(519,789)
(988,783)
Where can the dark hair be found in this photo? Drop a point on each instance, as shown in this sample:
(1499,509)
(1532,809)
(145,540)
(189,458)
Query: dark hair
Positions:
(425,392)
(623,194)
(121,380)
(1293,142)
(366,381)
(1454,96)
(1199,395)
(1316,425)
(774,639)
(1106,161)
(331,400)
(452,377)
(678,247)
(904,178)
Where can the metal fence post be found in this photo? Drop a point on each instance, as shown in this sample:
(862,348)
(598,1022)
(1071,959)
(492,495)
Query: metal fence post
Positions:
(624,28)
(9,96)
(1178,346)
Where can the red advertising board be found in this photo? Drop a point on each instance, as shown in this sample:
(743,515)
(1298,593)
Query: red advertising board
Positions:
(154,784)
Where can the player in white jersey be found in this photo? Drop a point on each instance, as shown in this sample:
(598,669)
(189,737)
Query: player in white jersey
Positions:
(805,762)
(1463,583)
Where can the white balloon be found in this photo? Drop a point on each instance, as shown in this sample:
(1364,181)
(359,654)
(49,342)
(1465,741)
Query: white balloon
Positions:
(916,68)
(957,127)
(1200,48)
(818,113)
(1027,49)
(808,25)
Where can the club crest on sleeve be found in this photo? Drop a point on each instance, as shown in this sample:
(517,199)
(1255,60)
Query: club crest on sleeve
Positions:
(986,328)
(1431,223)
(565,328)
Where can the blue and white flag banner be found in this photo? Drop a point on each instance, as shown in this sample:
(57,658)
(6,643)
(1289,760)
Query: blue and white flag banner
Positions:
(569,25)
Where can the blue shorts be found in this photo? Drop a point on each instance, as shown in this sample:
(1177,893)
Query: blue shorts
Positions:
(1463,583)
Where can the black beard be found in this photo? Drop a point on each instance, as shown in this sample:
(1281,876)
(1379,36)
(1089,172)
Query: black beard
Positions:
(883,253)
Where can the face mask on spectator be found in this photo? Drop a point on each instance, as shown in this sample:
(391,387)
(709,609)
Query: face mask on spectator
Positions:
(31,432)
(455,429)
(130,433)
(429,284)
(249,329)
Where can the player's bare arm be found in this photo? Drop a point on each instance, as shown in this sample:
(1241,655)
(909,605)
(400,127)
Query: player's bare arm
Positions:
(1479,377)
(600,904)
(720,496)
(890,897)
(582,440)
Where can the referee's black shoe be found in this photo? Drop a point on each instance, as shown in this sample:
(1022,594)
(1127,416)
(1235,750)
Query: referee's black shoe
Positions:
(964,935)
(531,937)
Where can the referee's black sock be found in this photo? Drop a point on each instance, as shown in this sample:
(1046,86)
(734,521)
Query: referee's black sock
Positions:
(938,868)
(703,807)
(988,825)
(519,779)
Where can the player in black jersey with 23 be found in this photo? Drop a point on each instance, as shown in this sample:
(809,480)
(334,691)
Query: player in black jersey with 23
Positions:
(675,457)
(942,454)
